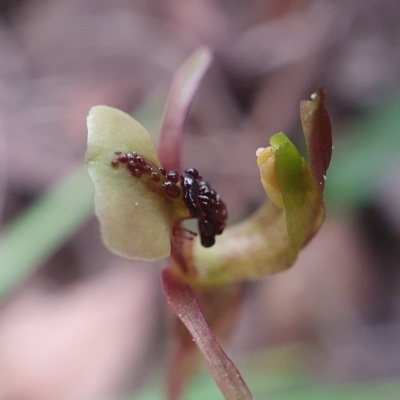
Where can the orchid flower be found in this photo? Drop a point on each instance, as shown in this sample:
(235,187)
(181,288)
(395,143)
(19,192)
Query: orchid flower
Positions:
(142,197)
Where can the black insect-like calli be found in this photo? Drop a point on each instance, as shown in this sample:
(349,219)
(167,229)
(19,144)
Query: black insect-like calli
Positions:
(191,190)
(201,200)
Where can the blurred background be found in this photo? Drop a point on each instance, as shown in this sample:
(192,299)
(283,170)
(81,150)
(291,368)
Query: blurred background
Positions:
(76,322)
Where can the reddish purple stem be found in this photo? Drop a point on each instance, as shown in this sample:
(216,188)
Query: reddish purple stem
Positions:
(182,301)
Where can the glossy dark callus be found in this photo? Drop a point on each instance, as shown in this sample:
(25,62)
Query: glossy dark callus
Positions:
(122,158)
(201,200)
(205,204)
(193,172)
(207,240)
(191,194)
(173,176)
(214,215)
(172,189)
(155,176)
(140,160)
(207,228)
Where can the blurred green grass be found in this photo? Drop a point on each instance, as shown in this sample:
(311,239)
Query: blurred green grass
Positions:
(44,227)
(278,373)
(364,156)
(283,388)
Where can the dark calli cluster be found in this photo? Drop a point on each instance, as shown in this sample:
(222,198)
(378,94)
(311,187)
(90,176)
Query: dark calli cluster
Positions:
(203,202)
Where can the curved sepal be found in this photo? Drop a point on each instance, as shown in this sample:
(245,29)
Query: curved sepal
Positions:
(318,133)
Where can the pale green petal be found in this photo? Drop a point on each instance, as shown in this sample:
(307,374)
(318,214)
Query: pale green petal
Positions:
(135,222)
(110,130)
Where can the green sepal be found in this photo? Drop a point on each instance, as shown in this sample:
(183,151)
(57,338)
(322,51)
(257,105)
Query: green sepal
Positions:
(302,197)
